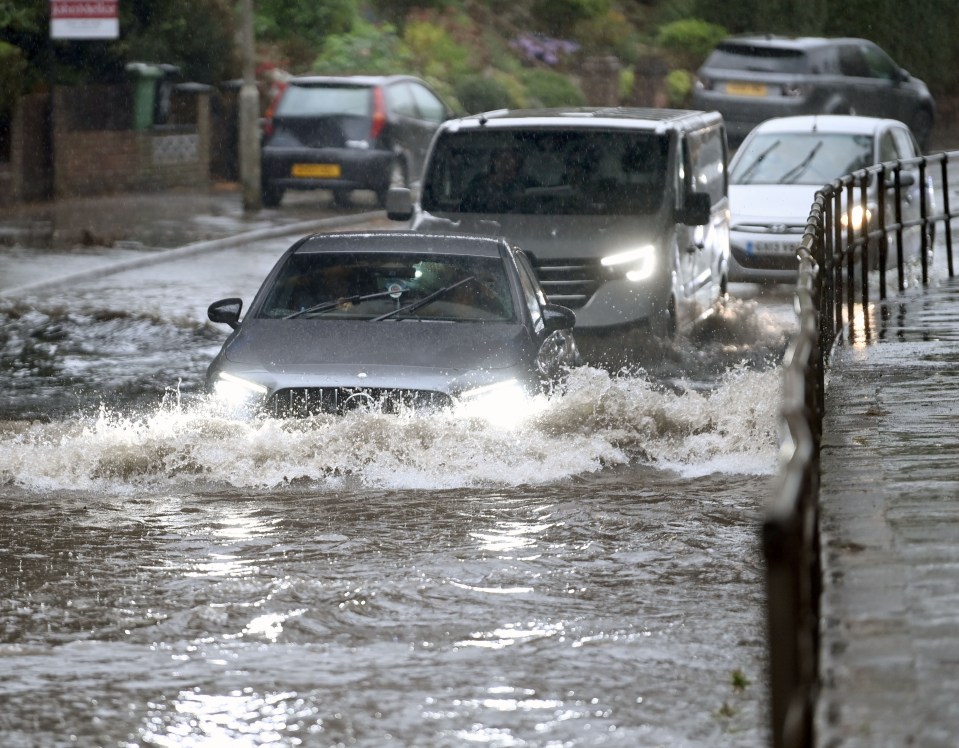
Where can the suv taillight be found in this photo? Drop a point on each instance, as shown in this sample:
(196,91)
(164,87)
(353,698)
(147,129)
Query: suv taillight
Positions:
(271,110)
(379,114)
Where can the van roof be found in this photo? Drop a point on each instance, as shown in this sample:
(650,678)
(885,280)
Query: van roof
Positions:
(634,118)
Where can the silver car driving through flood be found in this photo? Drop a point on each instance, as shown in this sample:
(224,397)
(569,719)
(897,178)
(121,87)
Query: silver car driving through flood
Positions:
(391,321)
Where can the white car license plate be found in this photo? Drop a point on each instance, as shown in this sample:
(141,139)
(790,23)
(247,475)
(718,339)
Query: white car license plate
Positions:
(774,248)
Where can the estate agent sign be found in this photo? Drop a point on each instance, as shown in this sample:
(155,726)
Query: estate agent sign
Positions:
(84,19)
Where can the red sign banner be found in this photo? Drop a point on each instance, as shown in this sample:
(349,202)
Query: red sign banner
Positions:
(84,19)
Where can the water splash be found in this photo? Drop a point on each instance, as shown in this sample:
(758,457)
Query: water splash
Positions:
(600,420)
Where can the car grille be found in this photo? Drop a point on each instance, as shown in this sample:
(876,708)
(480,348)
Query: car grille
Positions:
(764,262)
(300,402)
(570,282)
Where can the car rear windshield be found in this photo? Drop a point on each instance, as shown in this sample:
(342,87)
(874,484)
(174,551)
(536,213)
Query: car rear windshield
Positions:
(300,101)
(370,285)
(760,59)
(801,158)
(594,172)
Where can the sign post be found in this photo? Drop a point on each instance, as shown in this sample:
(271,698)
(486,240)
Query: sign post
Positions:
(84,19)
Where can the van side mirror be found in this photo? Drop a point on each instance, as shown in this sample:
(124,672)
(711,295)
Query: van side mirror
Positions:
(556,317)
(399,204)
(226,311)
(697,209)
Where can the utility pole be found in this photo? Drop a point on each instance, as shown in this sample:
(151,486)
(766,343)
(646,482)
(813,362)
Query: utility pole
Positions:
(249,120)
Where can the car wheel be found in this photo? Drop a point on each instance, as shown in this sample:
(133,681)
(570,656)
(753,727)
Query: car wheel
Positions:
(398,178)
(921,127)
(343,198)
(271,196)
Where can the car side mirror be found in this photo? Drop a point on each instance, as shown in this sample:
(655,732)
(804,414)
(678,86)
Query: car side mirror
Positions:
(226,311)
(556,317)
(399,204)
(697,209)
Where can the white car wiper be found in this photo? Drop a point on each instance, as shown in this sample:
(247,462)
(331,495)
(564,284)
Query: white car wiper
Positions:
(795,172)
(325,306)
(425,300)
(754,164)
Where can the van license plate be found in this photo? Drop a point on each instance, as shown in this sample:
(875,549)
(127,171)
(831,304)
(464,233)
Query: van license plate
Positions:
(738,88)
(317,171)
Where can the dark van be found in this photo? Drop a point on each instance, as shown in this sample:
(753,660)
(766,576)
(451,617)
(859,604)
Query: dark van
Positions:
(623,212)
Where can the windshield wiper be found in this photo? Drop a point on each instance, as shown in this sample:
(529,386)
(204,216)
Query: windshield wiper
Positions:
(748,171)
(325,306)
(794,173)
(425,300)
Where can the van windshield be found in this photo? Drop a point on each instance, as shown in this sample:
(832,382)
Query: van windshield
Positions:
(547,172)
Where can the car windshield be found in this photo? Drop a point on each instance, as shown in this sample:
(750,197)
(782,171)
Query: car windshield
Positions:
(800,158)
(758,59)
(551,173)
(298,101)
(387,285)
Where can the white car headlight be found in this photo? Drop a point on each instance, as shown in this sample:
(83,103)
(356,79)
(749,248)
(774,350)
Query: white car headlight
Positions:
(856,216)
(235,390)
(641,262)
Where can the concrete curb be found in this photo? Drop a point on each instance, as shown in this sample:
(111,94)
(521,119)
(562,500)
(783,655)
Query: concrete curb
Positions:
(302,228)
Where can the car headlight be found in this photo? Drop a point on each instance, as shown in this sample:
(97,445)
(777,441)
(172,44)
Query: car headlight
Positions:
(234,390)
(640,262)
(856,217)
(503,403)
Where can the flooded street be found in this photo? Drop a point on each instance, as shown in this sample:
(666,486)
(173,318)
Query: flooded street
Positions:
(588,573)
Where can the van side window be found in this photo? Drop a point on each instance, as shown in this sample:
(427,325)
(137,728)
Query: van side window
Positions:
(705,163)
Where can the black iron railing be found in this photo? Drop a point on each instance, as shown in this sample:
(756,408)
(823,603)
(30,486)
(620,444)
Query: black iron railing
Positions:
(840,261)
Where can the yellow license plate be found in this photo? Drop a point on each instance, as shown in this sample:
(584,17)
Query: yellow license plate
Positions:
(317,171)
(745,89)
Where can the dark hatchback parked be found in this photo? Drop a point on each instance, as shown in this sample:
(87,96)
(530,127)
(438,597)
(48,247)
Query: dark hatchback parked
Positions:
(749,79)
(348,133)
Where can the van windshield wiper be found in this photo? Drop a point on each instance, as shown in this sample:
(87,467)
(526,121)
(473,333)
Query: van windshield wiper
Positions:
(794,173)
(325,306)
(425,300)
(754,164)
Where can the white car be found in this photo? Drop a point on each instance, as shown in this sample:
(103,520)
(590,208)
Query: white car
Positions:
(783,162)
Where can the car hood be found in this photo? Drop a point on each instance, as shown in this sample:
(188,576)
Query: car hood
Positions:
(554,236)
(311,346)
(764,203)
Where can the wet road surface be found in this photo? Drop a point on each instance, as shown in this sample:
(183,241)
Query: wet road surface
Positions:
(588,575)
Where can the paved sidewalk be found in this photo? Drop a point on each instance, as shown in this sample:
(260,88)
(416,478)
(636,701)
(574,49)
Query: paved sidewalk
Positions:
(890,532)
(163,220)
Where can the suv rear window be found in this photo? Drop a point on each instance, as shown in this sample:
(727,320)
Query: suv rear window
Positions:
(760,59)
(300,101)
(566,172)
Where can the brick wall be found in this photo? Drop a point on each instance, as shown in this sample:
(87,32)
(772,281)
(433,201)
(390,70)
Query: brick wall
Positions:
(96,162)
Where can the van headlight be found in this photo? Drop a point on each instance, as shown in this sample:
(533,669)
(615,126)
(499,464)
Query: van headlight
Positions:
(638,263)
(233,390)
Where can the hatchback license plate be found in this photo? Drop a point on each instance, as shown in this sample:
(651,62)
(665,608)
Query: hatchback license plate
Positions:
(317,171)
(774,248)
(738,88)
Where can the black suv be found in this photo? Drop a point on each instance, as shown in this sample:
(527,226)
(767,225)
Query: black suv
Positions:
(348,133)
(749,79)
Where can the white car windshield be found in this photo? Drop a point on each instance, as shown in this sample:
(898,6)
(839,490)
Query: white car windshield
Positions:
(800,158)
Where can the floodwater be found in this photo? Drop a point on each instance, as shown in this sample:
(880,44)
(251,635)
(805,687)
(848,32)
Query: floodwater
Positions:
(587,573)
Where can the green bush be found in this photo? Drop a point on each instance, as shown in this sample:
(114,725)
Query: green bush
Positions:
(478,93)
(550,89)
(366,49)
(434,53)
(679,84)
(689,42)
(559,17)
